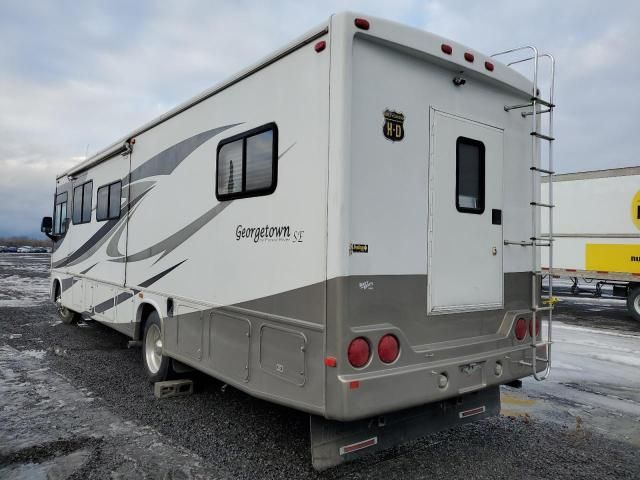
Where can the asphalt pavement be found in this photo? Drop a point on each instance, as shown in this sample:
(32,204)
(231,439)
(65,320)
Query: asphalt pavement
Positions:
(74,403)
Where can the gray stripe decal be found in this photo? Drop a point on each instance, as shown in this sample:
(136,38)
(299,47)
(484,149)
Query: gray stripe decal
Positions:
(172,242)
(163,163)
(166,161)
(108,304)
(96,240)
(157,277)
(85,271)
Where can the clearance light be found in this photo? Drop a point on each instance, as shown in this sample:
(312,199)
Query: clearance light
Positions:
(521,328)
(446,49)
(488,66)
(358,352)
(388,348)
(443,381)
(320,46)
(468,56)
(330,362)
(361,23)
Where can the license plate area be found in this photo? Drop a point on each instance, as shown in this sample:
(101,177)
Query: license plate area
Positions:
(472,377)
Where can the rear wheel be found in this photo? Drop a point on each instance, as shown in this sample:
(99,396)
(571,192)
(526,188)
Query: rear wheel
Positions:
(156,364)
(67,316)
(633,302)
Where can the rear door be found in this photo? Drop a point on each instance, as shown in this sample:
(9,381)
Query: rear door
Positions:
(465,215)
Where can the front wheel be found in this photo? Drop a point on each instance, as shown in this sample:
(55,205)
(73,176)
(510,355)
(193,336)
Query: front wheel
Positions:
(67,316)
(156,364)
(633,303)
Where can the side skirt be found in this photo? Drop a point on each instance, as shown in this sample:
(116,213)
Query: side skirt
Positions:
(334,442)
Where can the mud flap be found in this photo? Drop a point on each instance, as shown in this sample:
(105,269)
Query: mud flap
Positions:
(334,442)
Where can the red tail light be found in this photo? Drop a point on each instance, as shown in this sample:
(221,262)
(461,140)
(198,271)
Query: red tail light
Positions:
(388,348)
(488,66)
(361,23)
(521,328)
(468,56)
(538,326)
(358,352)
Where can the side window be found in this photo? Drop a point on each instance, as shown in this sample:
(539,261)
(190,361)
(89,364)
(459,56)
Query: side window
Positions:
(108,206)
(82,202)
(247,164)
(470,175)
(60,214)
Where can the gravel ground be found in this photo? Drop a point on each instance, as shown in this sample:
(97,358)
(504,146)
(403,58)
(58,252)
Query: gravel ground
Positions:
(74,401)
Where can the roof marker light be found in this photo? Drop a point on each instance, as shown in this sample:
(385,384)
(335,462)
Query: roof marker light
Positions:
(361,23)
(320,46)
(468,56)
(488,66)
(446,49)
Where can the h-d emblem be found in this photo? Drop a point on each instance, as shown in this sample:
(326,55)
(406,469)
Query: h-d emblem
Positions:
(393,128)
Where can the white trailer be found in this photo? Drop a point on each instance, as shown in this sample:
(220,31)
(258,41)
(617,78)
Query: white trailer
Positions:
(597,231)
(337,228)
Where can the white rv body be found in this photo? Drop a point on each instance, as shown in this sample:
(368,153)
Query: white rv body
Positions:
(361,236)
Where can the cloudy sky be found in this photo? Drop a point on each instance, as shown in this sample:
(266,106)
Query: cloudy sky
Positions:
(76,76)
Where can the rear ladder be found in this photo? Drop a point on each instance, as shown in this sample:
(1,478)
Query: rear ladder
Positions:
(538,106)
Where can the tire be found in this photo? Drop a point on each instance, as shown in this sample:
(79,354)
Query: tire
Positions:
(157,366)
(633,303)
(67,316)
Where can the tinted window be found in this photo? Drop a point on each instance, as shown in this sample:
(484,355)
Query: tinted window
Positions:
(247,164)
(114,199)
(82,202)
(60,214)
(108,206)
(230,168)
(469,175)
(102,207)
(259,161)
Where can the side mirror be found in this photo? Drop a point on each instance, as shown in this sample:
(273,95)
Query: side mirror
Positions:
(47,225)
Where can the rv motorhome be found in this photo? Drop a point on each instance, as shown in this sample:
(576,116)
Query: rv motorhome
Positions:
(348,228)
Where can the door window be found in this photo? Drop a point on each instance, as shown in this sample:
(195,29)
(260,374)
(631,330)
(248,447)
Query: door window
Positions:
(470,179)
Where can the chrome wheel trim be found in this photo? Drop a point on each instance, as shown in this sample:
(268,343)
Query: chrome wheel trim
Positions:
(153,348)
(636,304)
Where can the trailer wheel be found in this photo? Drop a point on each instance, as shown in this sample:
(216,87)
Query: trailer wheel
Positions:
(156,365)
(67,316)
(633,303)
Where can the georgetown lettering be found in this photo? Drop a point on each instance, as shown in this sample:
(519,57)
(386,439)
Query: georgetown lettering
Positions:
(267,232)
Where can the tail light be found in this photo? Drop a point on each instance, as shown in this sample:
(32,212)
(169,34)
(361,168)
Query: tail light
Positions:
(538,326)
(388,348)
(521,328)
(359,352)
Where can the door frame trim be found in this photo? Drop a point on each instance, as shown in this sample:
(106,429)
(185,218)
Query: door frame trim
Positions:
(431,310)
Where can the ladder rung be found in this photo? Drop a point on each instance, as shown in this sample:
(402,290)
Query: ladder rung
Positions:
(542,136)
(538,204)
(542,170)
(522,244)
(542,102)
(526,114)
(515,107)
(543,244)
(541,309)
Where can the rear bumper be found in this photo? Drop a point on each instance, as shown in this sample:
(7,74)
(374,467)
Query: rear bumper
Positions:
(367,394)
